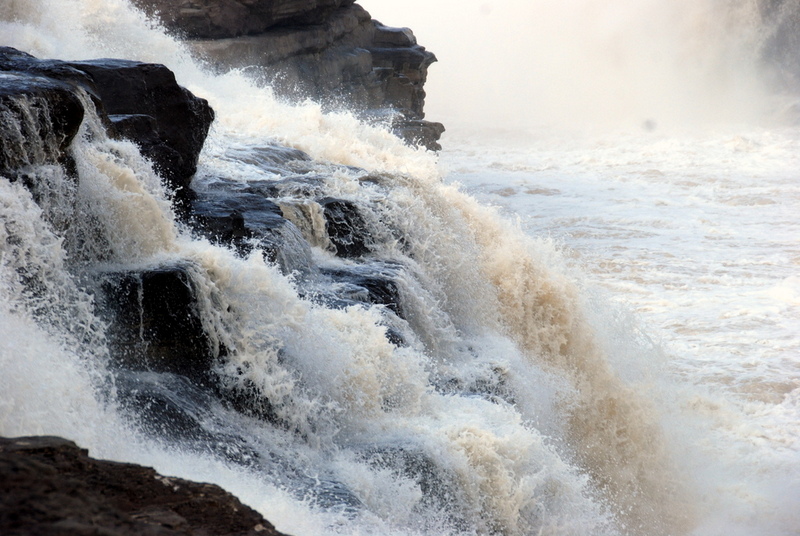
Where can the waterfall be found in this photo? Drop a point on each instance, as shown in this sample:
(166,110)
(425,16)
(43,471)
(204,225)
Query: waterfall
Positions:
(449,374)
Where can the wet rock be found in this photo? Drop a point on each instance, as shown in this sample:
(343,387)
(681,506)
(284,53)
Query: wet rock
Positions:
(51,486)
(40,118)
(155,322)
(238,214)
(331,51)
(180,121)
(139,101)
(173,407)
(346,228)
(420,133)
(272,158)
(374,284)
(21,62)
(321,61)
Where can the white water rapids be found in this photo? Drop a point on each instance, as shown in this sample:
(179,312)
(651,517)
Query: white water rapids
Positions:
(606,341)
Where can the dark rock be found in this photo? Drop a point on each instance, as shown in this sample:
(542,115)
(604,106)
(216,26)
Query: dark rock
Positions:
(52,487)
(374,283)
(173,407)
(346,227)
(240,215)
(419,132)
(273,158)
(232,18)
(140,101)
(41,117)
(181,121)
(331,51)
(12,59)
(314,61)
(155,322)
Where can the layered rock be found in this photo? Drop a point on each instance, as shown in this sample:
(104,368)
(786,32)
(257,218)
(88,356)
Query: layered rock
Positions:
(230,18)
(51,486)
(139,101)
(331,51)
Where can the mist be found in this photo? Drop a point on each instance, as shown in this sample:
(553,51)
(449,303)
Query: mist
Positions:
(573,63)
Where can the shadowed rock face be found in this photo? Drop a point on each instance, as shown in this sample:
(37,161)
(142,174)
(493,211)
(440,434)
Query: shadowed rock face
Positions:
(27,103)
(148,106)
(52,487)
(139,101)
(331,51)
(154,321)
(232,18)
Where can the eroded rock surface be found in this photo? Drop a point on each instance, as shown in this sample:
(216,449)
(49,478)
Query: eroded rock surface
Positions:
(331,51)
(50,486)
(139,101)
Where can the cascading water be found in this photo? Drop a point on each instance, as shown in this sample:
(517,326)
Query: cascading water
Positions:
(491,398)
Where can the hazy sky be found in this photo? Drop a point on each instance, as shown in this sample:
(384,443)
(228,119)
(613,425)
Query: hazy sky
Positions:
(519,62)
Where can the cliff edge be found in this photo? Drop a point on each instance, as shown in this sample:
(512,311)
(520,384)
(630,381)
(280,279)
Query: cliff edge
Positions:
(330,51)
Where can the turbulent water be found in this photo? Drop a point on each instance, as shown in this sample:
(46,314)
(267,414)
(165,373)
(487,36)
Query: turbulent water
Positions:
(602,321)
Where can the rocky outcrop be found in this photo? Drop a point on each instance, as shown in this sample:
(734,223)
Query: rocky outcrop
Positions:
(139,101)
(154,321)
(331,51)
(50,486)
(230,18)
(146,105)
(26,103)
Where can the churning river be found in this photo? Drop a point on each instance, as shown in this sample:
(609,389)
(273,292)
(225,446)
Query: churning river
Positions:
(600,278)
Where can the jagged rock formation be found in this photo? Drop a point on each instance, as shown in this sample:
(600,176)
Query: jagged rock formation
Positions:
(138,101)
(329,50)
(50,486)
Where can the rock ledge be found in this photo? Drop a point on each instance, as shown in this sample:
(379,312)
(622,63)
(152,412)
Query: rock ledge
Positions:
(51,486)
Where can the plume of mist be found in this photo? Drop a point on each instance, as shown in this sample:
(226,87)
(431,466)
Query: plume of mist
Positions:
(520,63)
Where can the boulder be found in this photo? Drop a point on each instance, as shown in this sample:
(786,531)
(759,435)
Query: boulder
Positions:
(139,101)
(154,322)
(147,105)
(52,487)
